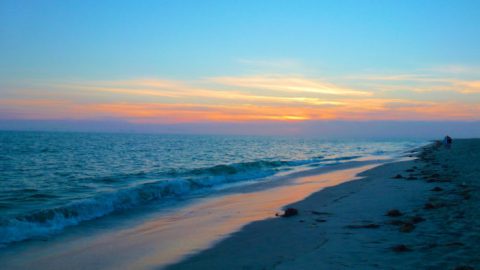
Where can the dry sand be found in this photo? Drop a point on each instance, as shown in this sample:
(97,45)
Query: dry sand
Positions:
(346,226)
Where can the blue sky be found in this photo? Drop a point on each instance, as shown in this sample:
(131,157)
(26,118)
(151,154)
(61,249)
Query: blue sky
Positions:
(374,60)
(183,39)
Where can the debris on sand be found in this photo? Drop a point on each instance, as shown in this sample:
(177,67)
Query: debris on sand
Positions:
(320,213)
(365,226)
(407,227)
(453,244)
(289,212)
(406,224)
(465,194)
(394,213)
(464,267)
(401,248)
(437,189)
(417,219)
(430,206)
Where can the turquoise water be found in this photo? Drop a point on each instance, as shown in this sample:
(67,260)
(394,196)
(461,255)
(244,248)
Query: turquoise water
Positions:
(53,180)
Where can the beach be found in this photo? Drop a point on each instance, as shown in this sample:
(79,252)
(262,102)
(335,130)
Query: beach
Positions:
(413,212)
(160,237)
(349,226)
(239,135)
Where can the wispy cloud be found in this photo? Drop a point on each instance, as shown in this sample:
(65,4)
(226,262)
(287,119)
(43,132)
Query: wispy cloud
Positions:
(252,98)
(374,109)
(469,87)
(288,84)
(177,91)
(459,79)
(455,69)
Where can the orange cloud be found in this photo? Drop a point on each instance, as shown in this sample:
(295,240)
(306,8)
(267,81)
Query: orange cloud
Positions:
(185,113)
(255,98)
(469,87)
(425,82)
(288,84)
(175,113)
(180,92)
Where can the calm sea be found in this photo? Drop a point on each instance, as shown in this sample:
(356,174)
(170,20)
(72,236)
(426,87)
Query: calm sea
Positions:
(49,181)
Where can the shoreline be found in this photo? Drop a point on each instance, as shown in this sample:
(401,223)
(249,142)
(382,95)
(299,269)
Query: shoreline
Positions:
(195,227)
(347,226)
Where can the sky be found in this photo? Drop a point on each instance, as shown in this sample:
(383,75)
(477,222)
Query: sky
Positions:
(239,63)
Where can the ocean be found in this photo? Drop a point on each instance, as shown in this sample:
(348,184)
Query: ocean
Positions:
(53,180)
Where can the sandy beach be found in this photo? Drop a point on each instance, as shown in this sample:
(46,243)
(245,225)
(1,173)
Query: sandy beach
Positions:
(418,214)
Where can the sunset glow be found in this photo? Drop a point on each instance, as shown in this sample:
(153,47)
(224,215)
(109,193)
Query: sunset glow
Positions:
(246,99)
(197,78)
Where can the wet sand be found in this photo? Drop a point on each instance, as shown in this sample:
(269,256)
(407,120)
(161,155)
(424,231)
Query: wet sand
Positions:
(155,240)
(420,214)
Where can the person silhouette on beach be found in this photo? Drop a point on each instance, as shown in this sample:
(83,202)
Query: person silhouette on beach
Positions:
(447,141)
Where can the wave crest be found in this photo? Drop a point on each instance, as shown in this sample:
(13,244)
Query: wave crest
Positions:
(48,221)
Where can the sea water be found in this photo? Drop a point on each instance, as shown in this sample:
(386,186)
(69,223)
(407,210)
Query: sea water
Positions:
(52,180)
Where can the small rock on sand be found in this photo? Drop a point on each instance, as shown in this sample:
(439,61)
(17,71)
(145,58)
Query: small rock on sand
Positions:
(394,213)
(401,248)
(417,219)
(407,227)
(437,189)
(429,206)
(366,226)
(290,212)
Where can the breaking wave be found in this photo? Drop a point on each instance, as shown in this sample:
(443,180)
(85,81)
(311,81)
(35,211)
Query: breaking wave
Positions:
(48,221)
